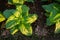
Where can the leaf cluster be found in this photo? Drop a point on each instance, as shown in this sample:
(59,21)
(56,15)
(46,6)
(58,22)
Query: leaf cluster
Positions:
(53,14)
(19,19)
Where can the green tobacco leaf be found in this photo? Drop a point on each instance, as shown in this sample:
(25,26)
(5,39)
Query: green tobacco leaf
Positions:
(53,9)
(2,18)
(25,10)
(26,29)
(13,30)
(32,18)
(57,17)
(49,22)
(14,16)
(56,6)
(10,24)
(17,14)
(7,13)
(57,29)
(53,18)
(18,7)
(48,8)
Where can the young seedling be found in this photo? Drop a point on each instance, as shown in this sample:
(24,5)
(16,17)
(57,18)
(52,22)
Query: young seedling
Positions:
(19,19)
(54,15)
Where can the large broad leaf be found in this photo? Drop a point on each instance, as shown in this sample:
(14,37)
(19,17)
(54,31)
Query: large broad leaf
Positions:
(26,29)
(7,13)
(57,29)
(2,18)
(13,20)
(31,18)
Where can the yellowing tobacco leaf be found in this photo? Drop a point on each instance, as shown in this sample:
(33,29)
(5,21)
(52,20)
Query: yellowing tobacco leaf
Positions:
(57,29)
(2,18)
(26,30)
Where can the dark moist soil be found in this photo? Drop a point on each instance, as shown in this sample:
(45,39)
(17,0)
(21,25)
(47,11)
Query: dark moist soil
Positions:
(40,30)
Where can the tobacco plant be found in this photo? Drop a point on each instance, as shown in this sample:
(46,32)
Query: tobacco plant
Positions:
(53,15)
(19,19)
